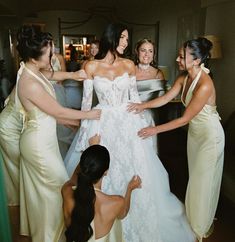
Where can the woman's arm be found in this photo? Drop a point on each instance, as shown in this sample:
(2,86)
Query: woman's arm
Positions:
(69,122)
(62,62)
(61,75)
(84,64)
(68,201)
(199,99)
(34,93)
(159,101)
(125,203)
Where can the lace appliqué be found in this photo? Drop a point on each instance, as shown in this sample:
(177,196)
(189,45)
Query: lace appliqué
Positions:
(134,95)
(82,141)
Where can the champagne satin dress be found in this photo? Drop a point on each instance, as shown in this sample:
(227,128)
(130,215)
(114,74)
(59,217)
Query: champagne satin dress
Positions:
(42,174)
(11,124)
(114,235)
(148,90)
(205,148)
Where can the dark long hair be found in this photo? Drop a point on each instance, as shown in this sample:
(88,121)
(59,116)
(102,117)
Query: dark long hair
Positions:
(110,40)
(94,162)
(200,49)
(137,47)
(31,42)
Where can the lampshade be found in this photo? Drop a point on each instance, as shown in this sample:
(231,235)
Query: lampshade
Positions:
(165,71)
(216,52)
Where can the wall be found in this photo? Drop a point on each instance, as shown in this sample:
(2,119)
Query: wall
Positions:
(223,69)
(179,21)
(8,25)
(50,18)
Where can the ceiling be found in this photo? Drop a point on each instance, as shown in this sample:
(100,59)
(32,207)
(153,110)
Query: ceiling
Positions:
(24,8)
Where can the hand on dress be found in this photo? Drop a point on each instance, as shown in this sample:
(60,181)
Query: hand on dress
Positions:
(94,114)
(70,123)
(147,132)
(73,124)
(79,75)
(135,107)
(73,127)
(94,140)
(135,182)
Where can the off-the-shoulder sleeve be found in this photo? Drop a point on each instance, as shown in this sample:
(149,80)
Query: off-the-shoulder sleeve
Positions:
(82,141)
(134,95)
(87,95)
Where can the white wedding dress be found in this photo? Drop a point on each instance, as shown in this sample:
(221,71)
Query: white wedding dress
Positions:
(155,215)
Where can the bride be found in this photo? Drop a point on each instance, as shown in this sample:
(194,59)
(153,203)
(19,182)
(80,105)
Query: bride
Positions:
(156,215)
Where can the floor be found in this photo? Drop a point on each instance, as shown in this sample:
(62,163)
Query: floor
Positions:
(172,151)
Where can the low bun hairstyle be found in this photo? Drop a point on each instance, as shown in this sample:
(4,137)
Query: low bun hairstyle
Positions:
(200,49)
(93,163)
(30,42)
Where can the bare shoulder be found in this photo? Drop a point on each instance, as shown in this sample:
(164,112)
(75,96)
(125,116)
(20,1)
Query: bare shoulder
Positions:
(66,189)
(128,62)
(90,68)
(68,203)
(114,204)
(68,200)
(205,82)
(28,84)
(129,65)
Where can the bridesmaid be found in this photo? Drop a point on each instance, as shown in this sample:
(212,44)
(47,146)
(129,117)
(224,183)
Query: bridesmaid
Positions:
(95,217)
(10,129)
(42,172)
(205,145)
(93,51)
(11,124)
(150,80)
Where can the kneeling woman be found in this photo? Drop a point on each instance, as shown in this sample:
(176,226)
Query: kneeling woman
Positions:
(91,215)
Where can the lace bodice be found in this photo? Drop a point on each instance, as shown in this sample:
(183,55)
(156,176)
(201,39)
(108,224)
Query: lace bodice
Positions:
(110,93)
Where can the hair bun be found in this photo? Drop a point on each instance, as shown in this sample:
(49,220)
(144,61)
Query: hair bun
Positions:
(31,42)
(26,33)
(207,44)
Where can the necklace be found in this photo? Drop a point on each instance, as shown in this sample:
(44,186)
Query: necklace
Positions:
(143,66)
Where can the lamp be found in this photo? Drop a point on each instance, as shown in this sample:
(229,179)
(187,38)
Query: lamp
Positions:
(165,71)
(216,52)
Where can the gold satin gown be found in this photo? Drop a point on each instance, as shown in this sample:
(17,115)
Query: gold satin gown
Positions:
(114,235)
(10,129)
(205,148)
(42,174)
